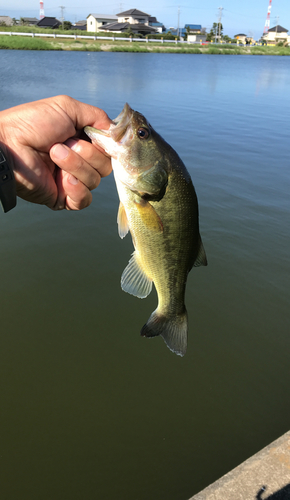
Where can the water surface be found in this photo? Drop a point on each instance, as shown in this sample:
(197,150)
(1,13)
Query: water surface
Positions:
(88,408)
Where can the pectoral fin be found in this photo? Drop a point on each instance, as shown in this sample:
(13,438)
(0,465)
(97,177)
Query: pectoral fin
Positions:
(149,216)
(134,280)
(123,226)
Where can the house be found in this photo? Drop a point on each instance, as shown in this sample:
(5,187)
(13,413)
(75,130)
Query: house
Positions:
(155,24)
(241,37)
(6,20)
(134,16)
(194,32)
(276,35)
(131,20)
(192,29)
(80,25)
(96,21)
(30,21)
(49,22)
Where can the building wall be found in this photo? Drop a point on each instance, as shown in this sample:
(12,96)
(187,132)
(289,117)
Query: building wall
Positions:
(94,24)
(134,20)
(242,38)
(273,36)
(196,38)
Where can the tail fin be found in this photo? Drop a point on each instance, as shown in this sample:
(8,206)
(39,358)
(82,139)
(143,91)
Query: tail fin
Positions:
(173,330)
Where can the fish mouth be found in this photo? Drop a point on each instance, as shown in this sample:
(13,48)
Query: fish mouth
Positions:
(121,123)
(117,129)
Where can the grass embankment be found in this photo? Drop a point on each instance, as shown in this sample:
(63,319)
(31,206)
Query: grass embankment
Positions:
(39,43)
(25,43)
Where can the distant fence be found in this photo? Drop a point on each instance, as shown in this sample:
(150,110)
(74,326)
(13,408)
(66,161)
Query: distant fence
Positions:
(92,37)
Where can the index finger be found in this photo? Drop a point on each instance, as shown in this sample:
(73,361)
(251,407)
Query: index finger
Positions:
(83,114)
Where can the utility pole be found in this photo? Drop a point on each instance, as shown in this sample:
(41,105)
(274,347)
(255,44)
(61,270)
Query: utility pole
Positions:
(62,16)
(277,22)
(178,21)
(220,21)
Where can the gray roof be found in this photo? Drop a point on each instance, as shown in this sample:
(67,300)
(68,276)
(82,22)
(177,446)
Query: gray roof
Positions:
(125,26)
(103,16)
(133,12)
(278,29)
(30,19)
(115,26)
(7,20)
(50,22)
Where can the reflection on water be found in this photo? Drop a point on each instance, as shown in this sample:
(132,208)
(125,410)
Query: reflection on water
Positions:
(269,79)
(88,408)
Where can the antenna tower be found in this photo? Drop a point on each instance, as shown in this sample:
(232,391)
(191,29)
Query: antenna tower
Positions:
(267,23)
(41,11)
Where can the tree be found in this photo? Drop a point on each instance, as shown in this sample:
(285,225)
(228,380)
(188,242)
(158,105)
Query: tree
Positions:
(227,38)
(67,25)
(130,31)
(216,30)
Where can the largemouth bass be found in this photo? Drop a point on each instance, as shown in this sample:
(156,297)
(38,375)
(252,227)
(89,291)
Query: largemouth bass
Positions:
(158,205)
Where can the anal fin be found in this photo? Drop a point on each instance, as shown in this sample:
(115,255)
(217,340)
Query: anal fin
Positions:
(134,280)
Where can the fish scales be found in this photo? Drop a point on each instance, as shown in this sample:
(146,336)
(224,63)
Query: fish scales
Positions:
(158,204)
(167,257)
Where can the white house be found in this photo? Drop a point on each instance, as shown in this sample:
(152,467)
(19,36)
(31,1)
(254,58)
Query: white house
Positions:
(134,16)
(134,20)
(96,21)
(276,35)
(241,37)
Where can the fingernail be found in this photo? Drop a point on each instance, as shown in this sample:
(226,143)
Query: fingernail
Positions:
(71,143)
(72,180)
(60,152)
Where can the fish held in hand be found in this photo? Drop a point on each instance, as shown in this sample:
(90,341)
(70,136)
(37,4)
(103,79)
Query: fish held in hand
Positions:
(158,205)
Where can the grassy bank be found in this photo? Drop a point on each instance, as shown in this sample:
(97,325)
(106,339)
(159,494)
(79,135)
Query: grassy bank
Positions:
(24,43)
(36,43)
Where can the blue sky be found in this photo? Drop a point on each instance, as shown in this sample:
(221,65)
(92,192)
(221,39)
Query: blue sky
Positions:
(247,16)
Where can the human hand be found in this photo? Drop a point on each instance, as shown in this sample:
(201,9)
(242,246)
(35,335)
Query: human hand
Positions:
(52,165)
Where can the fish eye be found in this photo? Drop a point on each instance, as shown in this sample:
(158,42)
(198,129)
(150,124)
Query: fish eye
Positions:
(143,133)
